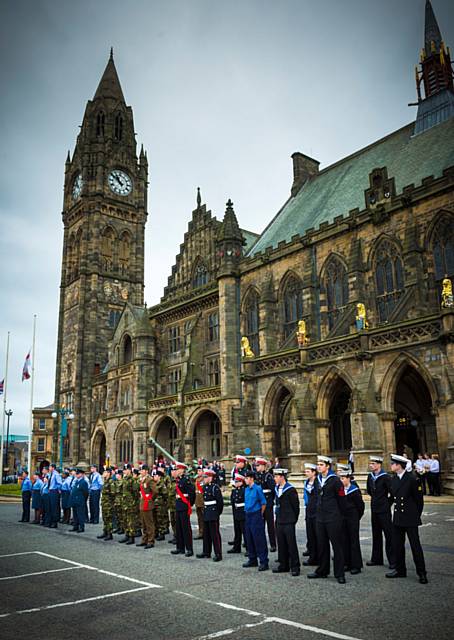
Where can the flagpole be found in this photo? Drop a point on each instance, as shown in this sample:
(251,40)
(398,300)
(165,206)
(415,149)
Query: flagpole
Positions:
(5,387)
(30,431)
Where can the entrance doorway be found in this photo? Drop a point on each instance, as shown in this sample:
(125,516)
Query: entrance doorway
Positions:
(166,436)
(339,417)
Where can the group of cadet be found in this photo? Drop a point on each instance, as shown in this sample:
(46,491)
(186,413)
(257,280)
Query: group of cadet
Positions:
(144,505)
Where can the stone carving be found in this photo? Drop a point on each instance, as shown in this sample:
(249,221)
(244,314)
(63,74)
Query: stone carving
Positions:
(361,317)
(246,350)
(301,335)
(447,300)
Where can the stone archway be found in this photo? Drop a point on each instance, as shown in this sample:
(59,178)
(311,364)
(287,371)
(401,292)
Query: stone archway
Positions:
(166,436)
(277,412)
(98,449)
(340,431)
(207,436)
(415,426)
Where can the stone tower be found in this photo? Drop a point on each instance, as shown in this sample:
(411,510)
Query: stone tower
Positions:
(104,216)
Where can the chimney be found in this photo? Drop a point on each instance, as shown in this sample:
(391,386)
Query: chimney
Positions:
(304,168)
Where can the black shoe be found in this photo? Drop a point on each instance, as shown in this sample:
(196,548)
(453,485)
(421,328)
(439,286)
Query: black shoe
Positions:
(315,575)
(141,544)
(263,567)
(423,578)
(21,520)
(109,536)
(102,536)
(173,541)
(175,552)
(130,541)
(160,537)
(295,572)
(273,550)
(280,570)
(202,555)
(149,546)
(374,564)
(200,538)
(189,554)
(74,529)
(341,580)
(53,526)
(308,563)
(231,543)
(81,530)
(233,551)
(396,574)
(355,572)
(246,565)
(217,558)
(306,553)
(125,539)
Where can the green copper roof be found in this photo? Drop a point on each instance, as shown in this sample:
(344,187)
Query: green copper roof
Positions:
(339,188)
(250,237)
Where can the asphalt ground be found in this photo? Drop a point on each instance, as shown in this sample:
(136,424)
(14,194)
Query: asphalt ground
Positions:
(59,584)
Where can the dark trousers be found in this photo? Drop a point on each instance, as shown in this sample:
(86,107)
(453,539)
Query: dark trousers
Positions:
(288,549)
(311,544)
(79,517)
(382,525)
(330,532)
(239,534)
(183,531)
(66,515)
(255,537)
(352,547)
(269,519)
(26,498)
(93,499)
(47,521)
(54,506)
(433,480)
(416,549)
(38,514)
(212,538)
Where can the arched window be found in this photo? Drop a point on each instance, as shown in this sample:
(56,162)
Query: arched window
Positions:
(118,130)
(215,437)
(127,350)
(125,445)
(124,252)
(107,249)
(336,286)
(100,121)
(251,321)
(292,302)
(339,415)
(443,249)
(200,277)
(70,271)
(389,279)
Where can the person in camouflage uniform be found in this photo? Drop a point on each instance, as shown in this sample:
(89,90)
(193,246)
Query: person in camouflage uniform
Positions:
(137,520)
(160,509)
(171,502)
(118,501)
(107,504)
(130,487)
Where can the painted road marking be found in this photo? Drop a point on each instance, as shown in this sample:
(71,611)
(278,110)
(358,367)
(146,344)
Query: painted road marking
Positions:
(39,573)
(227,632)
(21,553)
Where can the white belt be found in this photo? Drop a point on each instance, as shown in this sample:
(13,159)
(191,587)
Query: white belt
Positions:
(185,495)
(266,490)
(210,502)
(239,504)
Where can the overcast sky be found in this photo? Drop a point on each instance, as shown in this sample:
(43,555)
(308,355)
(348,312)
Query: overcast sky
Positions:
(223,92)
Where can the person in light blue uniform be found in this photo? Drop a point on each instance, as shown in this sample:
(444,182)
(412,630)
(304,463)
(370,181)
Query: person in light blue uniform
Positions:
(26,490)
(36,497)
(45,500)
(95,487)
(79,495)
(254,508)
(65,495)
(55,483)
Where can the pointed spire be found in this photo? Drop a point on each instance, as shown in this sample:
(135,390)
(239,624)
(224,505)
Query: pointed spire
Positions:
(109,85)
(230,229)
(68,158)
(432,35)
(199,198)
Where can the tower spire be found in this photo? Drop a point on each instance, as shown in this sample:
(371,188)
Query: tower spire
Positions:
(432,35)
(109,85)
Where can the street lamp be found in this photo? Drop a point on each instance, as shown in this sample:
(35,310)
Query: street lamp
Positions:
(66,415)
(8,414)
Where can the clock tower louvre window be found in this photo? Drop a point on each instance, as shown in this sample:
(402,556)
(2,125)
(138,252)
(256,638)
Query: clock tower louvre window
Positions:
(100,122)
(118,127)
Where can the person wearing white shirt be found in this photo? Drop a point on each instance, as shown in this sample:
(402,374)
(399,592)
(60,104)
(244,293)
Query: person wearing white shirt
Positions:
(434,476)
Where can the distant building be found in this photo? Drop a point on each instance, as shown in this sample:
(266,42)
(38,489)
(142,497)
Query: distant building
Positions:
(43,436)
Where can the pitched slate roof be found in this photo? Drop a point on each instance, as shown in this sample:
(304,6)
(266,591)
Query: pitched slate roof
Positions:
(340,187)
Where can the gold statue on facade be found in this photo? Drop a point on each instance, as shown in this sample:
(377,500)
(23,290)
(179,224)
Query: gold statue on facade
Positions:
(361,317)
(301,334)
(447,300)
(246,350)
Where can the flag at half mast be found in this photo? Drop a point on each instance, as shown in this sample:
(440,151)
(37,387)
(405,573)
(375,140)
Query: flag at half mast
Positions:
(26,368)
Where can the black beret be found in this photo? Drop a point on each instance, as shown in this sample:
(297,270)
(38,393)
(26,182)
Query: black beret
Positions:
(250,474)
(127,466)
(145,467)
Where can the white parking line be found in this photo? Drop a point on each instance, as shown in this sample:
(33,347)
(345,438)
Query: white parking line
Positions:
(39,573)
(307,627)
(228,632)
(20,553)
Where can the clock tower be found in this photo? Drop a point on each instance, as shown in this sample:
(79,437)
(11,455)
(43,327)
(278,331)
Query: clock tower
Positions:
(104,216)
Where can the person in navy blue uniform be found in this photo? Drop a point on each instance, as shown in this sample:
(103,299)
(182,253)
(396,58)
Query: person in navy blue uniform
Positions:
(354,511)
(237,503)
(408,505)
(26,491)
(55,483)
(79,495)
(287,514)
(45,500)
(95,483)
(212,510)
(254,507)
(184,501)
(36,497)
(310,502)
(379,489)
(65,495)
(265,479)
(329,521)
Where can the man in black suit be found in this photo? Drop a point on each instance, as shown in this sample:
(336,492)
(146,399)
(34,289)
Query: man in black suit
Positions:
(408,505)
(287,514)
(379,489)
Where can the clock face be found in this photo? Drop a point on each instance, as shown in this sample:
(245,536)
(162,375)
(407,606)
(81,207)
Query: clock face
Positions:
(120,182)
(77,186)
